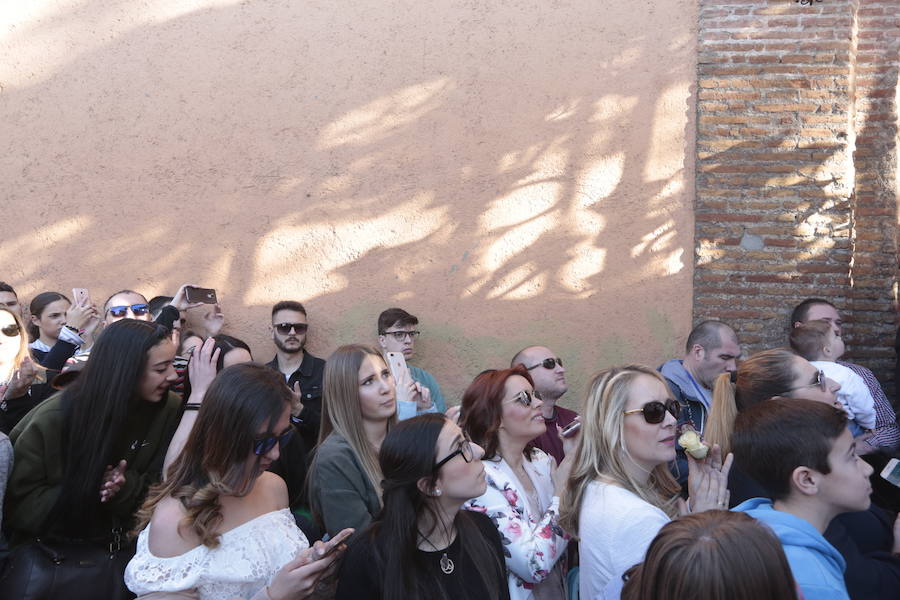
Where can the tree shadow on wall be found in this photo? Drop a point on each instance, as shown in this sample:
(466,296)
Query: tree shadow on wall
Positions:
(504,172)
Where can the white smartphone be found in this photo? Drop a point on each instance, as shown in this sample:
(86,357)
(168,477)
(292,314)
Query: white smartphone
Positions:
(81,296)
(571,429)
(397,364)
(891,471)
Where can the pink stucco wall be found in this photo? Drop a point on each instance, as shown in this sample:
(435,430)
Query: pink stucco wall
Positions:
(512,172)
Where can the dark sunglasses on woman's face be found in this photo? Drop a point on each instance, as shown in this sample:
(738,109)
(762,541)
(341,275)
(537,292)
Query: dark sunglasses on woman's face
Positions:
(121,311)
(262,446)
(821,382)
(547,363)
(11,330)
(285,328)
(655,412)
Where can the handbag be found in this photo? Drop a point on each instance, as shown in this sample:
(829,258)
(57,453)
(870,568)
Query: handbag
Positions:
(66,569)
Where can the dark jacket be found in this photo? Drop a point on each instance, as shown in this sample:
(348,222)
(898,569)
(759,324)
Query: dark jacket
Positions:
(36,480)
(340,493)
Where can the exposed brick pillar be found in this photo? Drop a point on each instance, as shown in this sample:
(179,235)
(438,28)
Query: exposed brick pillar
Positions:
(873,271)
(785,208)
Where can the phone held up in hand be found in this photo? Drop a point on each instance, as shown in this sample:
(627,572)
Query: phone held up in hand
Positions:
(571,429)
(204,295)
(81,296)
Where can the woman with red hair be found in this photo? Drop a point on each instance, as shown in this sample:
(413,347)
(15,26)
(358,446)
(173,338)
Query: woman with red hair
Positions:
(501,412)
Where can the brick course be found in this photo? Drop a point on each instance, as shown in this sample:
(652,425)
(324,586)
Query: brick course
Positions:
(797,145)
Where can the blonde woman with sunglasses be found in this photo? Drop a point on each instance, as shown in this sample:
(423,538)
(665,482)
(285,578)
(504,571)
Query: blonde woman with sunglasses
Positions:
(502,413)
(620,492)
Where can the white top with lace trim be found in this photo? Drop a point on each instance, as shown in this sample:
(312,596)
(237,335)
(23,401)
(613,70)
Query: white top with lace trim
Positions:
(247,559)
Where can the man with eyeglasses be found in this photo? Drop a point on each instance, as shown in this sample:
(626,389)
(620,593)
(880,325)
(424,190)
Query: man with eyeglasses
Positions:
(712,349)
(546,369)
(886,435)
(302,371)
(397,333)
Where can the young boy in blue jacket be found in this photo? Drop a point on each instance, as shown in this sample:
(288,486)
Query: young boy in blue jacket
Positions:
(803,453)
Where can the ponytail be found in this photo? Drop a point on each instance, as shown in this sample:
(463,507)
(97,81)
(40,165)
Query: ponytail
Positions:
(720,422)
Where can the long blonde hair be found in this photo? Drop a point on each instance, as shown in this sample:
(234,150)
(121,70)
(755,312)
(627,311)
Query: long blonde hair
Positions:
(22,353)
(601,452)
(341,412)
(764,375)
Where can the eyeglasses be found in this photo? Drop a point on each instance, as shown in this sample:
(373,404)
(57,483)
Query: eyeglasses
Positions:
(655,412)
(121,311)
(465,450)
(263,445)
(11,330)
(820,381)
(401,335)
(526,398)
(547,363)
(285,328)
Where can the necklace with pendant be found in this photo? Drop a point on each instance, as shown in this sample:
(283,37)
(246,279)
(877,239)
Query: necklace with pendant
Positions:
(447,565)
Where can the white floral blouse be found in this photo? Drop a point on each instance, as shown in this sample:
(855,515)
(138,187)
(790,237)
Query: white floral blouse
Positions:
(532,541)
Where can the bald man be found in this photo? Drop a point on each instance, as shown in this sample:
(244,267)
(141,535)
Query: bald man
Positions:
(549,377)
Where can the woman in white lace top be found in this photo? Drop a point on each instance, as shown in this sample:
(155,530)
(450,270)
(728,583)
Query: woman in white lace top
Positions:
(219,528)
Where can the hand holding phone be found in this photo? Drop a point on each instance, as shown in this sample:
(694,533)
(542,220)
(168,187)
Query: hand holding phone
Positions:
(570,429)
(329,546)
(81,297)
(202,295)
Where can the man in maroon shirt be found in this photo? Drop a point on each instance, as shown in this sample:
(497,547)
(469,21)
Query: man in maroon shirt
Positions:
(549,377)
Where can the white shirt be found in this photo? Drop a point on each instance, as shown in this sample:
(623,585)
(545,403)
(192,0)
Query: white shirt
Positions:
(615,529)
(854,394)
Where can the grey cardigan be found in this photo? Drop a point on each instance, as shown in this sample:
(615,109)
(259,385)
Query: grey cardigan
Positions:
(340,494)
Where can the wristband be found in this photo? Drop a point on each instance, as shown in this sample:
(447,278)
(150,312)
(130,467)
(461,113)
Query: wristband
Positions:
(192,406)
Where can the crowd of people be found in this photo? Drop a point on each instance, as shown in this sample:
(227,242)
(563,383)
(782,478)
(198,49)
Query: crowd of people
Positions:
(144,453)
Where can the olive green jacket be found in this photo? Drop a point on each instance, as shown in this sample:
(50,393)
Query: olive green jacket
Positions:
(36,480)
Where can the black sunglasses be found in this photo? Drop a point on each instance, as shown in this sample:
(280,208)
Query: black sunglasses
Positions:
(655,412)
(465,450)
(547,363)
(285,328)
(121,311)
(11,330)
(263,445)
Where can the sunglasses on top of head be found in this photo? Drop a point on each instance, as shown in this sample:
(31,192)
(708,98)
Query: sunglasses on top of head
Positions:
(263,445)
(285,328)
(655,412)
(121,311)
(547,363)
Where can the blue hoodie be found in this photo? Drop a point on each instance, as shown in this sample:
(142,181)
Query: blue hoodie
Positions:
(817,567)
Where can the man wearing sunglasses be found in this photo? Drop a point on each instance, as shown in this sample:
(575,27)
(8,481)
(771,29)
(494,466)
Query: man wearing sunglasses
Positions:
(712,349)
(299,367)
(886,435)
(397,332)
(546,369)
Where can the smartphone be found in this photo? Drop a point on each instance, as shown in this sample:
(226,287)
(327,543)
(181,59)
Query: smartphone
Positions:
(81,296)
(332,544)
(204,295)
(891,471)
(571,429)
(397,364)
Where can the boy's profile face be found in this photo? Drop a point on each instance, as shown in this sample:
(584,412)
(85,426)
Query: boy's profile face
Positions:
(836,344)
(846,488)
